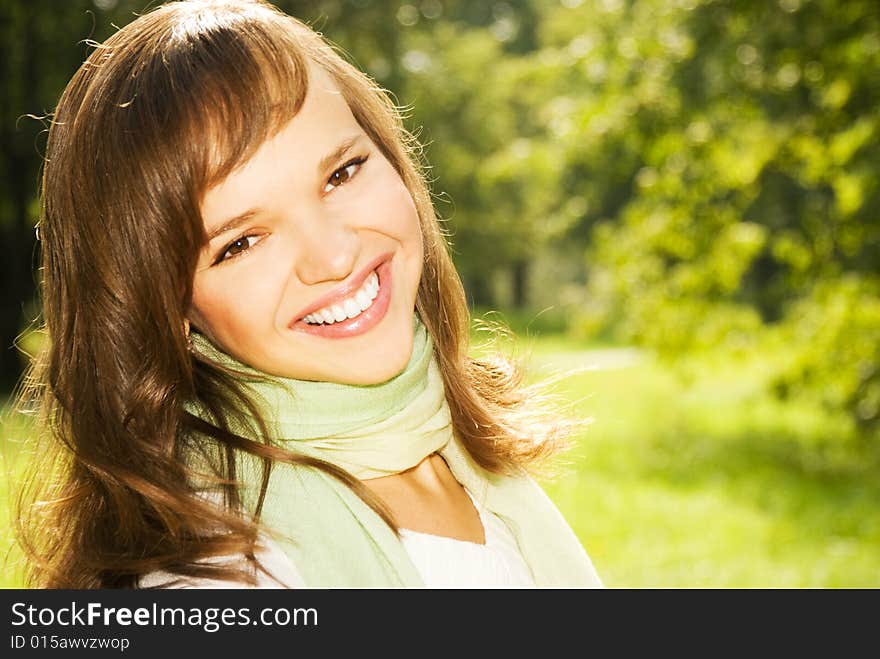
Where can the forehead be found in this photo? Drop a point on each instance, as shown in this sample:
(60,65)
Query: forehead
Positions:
(323,120)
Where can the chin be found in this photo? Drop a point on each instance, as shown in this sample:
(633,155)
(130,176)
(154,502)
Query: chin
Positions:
(382,367)
(373,375)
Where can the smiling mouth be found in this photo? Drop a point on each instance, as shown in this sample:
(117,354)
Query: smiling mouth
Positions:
(351,307)
(352,304)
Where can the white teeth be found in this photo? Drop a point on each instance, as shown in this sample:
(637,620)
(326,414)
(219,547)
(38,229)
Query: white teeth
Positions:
(338,312)
(350,307)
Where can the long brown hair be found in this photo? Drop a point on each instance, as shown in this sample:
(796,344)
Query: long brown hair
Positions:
(157,114)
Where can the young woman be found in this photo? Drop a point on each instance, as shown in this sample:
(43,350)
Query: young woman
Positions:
(257,366)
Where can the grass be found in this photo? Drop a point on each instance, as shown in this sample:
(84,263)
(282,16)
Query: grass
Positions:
(12,463)
(708,483)
(696,482)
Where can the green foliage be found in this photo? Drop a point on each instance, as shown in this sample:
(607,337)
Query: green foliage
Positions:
(731,155)
(835,356)
(483,115)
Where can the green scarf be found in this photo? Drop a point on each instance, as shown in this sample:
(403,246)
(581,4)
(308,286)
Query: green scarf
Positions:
(335,539)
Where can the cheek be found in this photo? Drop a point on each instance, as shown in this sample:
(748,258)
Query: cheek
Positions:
(396,211)
(229,306)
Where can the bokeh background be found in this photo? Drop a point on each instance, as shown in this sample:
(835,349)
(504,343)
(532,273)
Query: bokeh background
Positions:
(673,201)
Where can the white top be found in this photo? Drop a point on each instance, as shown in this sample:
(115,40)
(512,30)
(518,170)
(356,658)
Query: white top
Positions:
(442,562)
(448,563)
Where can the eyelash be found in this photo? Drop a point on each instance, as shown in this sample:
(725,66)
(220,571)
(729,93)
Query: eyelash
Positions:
(360,160)
(222,258)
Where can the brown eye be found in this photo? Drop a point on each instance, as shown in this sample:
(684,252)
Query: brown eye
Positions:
(341,176)
(237,247)
(344,174)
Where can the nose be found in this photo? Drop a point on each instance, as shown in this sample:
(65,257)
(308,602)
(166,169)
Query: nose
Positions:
(327,250)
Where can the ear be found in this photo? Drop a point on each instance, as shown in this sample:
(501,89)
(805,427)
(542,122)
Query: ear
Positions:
(192,319)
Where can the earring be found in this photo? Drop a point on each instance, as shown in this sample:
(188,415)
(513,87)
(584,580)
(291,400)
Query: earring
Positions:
(186,331)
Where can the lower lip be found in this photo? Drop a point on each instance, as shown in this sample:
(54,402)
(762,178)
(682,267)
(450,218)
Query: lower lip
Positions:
(362,323)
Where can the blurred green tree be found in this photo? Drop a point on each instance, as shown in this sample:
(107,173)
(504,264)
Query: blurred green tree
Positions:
(730,155)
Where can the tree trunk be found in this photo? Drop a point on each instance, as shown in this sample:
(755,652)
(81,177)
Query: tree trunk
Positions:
(519,272)
(479,293)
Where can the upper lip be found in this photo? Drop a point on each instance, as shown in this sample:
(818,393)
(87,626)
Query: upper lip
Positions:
(345,290)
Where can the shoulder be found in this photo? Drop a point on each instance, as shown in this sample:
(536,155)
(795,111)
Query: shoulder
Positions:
(282,573)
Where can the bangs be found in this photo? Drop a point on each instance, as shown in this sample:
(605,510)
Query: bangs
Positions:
(237,82)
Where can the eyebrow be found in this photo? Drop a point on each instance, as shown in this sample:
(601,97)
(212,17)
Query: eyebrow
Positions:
(323,165)
(233,223)
(340,151)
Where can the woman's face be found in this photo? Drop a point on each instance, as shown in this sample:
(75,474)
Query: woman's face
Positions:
(305,233)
